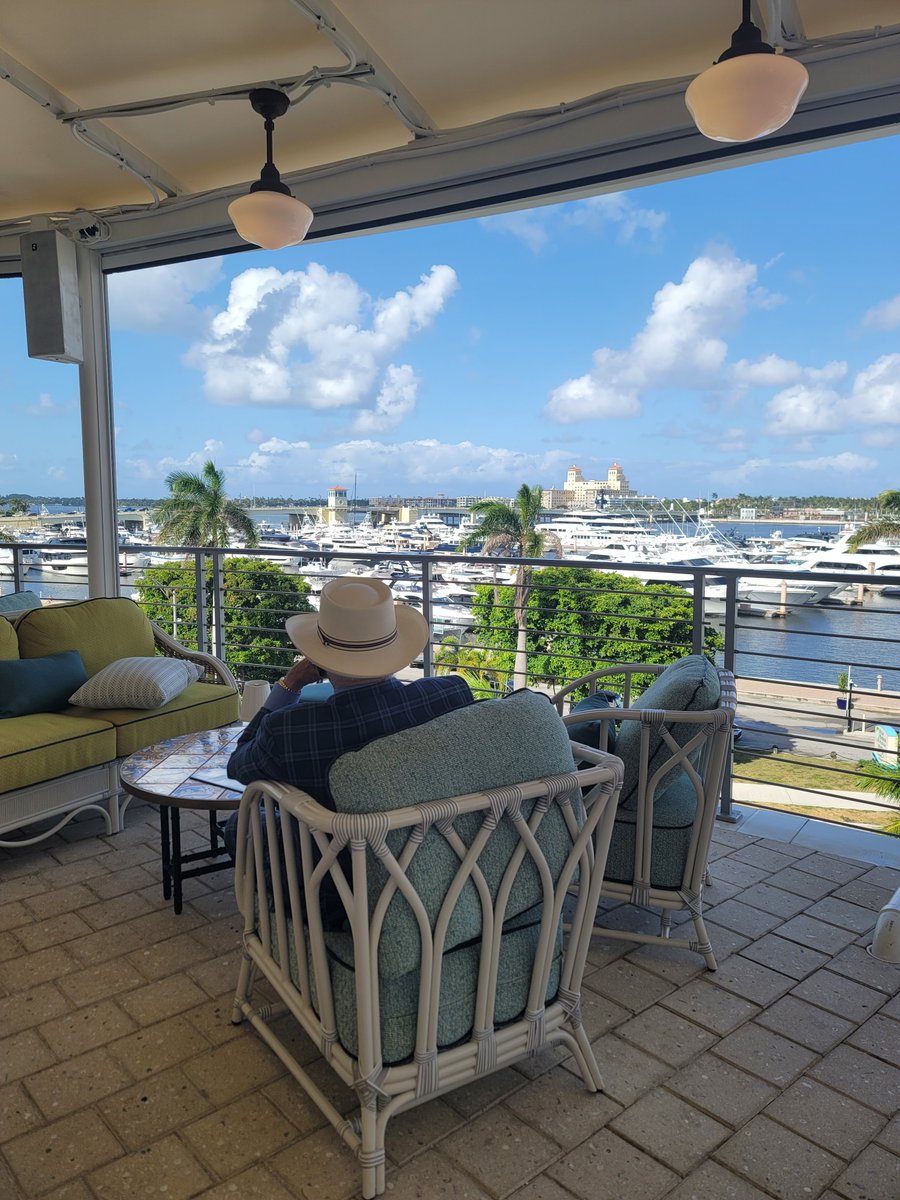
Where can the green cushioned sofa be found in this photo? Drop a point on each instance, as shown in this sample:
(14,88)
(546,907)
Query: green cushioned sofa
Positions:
(55,764)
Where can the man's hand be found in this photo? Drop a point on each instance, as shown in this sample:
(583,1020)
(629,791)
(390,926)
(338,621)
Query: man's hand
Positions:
(300,674)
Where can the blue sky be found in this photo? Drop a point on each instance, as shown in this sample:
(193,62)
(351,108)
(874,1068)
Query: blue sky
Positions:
(738,331)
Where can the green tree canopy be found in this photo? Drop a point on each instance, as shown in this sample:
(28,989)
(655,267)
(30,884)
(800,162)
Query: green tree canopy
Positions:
(579,620)
(199,513)
(510,529)
(258,597)
(886,525)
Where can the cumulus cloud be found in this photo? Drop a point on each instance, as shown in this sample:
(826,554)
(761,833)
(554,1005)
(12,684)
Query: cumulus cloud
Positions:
(680,344)
(56,473)
(8,462)
(314,339)
(159,299)
(399,466)
(618,210)
(848,463)
(143,468)
(740,473)
(396,399)
(595,215)
(885,315)
(813,406)
(47,407)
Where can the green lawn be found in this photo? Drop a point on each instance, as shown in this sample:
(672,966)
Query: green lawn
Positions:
(791,770)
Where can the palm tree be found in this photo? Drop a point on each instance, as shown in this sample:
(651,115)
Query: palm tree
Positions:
(198,513)
(887,525)
(510,529)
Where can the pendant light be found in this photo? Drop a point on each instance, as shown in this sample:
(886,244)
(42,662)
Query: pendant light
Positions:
(749,92)
(269,216)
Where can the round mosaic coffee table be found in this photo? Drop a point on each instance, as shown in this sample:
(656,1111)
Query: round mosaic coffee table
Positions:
(163,774)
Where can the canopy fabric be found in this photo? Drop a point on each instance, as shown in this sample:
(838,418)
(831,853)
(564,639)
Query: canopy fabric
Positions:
(402,111)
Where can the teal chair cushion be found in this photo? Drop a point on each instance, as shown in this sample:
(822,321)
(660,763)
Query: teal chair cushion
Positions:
(482,746)
(673,819)
(19,602)
(587,731)
(689,685)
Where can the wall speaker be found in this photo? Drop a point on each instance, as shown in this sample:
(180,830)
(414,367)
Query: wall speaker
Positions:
(52,307)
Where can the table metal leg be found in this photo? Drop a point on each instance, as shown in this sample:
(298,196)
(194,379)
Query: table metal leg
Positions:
(165,850)
(176,859)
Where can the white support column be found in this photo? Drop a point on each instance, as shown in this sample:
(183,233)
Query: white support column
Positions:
(97,430)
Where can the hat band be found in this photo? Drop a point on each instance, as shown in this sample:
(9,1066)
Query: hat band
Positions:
(339,644)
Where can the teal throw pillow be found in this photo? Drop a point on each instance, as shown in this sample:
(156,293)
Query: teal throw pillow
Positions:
(588,732)
(36,685)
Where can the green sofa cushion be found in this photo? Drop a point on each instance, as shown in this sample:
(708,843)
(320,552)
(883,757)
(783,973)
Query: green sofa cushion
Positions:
(44,746)
(9,641)
(673,819)
(689,685)
(137,683)
(482,746)
(39,685)
(103,629)
(201,706)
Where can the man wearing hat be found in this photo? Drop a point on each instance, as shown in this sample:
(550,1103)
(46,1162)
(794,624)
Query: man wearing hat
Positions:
(358,638)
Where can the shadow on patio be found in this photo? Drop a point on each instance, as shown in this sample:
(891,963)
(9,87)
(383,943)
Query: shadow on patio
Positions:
(776,1076)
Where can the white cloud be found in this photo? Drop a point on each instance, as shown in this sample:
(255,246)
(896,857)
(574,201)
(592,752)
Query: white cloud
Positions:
(396,399)
(531,226)
(47,407)
(158,299)
(619,210)
(299,339)
(397,467)
(595,215)
(885,315)
(735,476)
(56,473)
(8,462)
(680,344)
(847,463)
(813,406)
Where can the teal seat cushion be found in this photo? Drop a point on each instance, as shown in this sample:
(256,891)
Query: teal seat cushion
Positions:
(482,746)
(399,996)
(673,819)
(689,685)
(19,602)
(39,685)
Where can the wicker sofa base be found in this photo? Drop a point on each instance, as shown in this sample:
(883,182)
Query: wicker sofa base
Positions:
(93,790)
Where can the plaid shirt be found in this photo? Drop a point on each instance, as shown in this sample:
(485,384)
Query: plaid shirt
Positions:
(299,743)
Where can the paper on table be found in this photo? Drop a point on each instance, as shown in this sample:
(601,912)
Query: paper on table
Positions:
(219,776)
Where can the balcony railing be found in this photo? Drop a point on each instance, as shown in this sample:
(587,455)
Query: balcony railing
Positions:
(801,739)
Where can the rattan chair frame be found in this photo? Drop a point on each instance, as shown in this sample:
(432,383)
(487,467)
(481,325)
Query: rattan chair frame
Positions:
(275,915)
(703,757)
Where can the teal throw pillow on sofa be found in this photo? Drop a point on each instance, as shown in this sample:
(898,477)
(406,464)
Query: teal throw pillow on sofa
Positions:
(35,685)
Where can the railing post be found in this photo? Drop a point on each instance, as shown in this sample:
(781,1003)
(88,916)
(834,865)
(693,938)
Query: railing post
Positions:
(18,571)
(200,599)
(428,652)
(218,597)
(731,586)
(699,622)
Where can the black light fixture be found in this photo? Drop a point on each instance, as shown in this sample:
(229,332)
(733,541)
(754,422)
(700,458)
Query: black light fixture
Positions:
(749,92)
(270,216)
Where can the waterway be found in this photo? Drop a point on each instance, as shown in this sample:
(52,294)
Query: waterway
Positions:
(812,643)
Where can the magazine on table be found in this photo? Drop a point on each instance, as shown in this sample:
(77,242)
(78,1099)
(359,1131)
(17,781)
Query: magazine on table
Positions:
(219,777)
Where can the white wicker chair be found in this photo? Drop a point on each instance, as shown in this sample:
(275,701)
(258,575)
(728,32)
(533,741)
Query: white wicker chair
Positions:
(497,863)
(675,762)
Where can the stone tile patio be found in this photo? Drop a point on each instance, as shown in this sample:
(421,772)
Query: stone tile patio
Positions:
(778,1076)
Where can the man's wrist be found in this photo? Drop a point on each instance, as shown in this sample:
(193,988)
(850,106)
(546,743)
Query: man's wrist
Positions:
(295,691)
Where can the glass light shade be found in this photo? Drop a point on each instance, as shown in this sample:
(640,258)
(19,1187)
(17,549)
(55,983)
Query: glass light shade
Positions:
(270,219)
(746,97)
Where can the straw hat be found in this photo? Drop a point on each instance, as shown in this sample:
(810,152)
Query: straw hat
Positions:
(359,631)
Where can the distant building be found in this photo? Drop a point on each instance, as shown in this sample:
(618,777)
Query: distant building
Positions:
(336,511)
(578,492)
